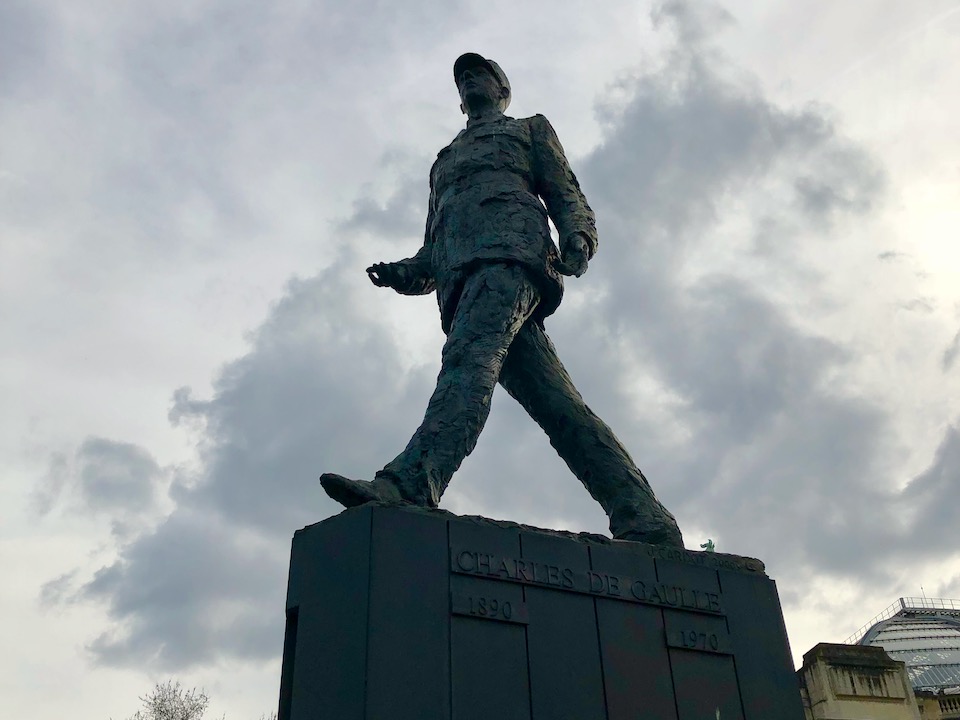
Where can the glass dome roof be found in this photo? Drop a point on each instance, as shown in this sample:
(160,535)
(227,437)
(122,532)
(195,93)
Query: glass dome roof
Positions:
(922,632)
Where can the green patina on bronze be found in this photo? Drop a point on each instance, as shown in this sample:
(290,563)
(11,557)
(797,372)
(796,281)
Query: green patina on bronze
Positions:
(488,254)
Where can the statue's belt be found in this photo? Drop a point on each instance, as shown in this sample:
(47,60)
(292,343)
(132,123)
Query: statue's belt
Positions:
(489,187)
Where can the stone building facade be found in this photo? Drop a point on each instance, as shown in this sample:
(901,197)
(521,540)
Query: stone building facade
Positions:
(854,682)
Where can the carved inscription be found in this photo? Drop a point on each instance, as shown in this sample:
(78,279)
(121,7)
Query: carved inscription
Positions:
(718,561)
(619,587)
(487,606)
(691,639)
(469,562)
(654,593)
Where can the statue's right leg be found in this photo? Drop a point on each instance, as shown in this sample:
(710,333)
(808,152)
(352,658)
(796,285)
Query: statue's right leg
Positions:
(495,303)
(535,377)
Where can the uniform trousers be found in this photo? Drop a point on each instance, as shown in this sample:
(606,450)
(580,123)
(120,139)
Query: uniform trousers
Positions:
(493,339)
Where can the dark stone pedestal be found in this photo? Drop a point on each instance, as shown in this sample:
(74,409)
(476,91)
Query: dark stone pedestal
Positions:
(408,614)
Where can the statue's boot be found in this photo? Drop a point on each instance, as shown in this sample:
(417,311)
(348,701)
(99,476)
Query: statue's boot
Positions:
(649,523)
(661,536)
(351,493)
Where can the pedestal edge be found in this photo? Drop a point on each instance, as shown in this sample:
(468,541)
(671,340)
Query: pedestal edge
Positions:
(713,560)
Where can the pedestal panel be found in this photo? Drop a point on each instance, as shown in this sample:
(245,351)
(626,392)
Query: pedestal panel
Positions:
(397,613)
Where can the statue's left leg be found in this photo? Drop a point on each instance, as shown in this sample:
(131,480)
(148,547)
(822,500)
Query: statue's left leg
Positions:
(495,303)
(533,374)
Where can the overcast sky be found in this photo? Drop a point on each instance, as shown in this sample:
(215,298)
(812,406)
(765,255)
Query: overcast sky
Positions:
(190,190)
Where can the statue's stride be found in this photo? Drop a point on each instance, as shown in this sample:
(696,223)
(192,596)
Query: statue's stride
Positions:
(488,254)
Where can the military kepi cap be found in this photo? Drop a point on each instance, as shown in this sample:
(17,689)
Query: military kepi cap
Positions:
(468,60)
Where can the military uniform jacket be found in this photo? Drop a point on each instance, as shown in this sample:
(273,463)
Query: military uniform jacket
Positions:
(485,206)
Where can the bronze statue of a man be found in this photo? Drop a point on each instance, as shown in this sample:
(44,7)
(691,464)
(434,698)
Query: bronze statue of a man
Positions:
(488,254)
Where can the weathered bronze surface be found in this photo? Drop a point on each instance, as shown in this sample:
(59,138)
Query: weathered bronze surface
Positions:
(488,254)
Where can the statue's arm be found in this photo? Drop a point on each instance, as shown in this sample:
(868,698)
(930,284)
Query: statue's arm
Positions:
(413,275)
(558,186)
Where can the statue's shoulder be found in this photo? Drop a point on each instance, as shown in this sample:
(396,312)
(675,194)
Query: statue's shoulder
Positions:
(537,120)
(539,128)
(522,127)
(534,122)
(446,148)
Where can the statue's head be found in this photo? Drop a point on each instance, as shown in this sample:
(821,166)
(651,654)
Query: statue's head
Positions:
(480,81)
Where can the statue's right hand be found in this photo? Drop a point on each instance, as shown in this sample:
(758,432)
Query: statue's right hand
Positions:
(383,274)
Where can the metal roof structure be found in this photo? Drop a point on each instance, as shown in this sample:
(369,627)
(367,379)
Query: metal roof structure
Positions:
(925,634)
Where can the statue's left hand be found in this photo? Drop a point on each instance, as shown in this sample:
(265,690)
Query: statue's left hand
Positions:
(574,257)
(384,274)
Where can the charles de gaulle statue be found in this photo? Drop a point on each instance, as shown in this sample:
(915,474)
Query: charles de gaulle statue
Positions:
(488,254)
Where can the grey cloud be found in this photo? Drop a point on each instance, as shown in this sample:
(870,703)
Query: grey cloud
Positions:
(47,492)
(951,353)
(394,218)
(924,497)
(167,134)
(769,443)
(61,590)
(115,475)
(188,591)
(950,588)
(693,23)
(515,474)
(891,255)
(921,304)
(399,215)
(776,458)
(184,408)
(25,35)
(320,390)
(104,477)
(846,180)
